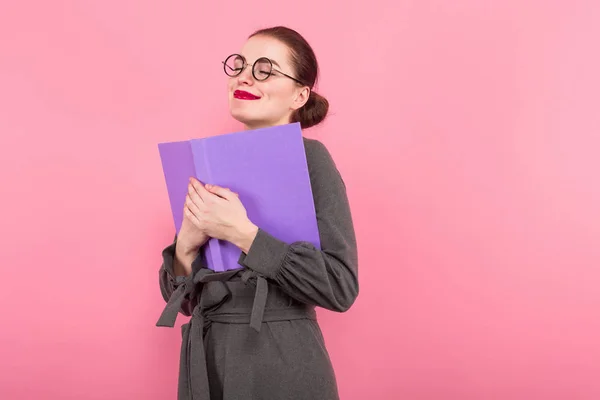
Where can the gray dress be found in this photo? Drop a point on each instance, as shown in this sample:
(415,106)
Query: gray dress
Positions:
(253,332)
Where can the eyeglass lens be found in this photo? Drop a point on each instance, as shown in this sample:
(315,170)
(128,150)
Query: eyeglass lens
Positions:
(235,64)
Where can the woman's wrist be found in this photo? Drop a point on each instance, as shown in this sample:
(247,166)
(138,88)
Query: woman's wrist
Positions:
(185,246)
(184,256)
(182,249)
(244,236)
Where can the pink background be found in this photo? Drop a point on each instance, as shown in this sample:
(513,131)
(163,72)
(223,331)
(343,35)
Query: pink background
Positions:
(477,203)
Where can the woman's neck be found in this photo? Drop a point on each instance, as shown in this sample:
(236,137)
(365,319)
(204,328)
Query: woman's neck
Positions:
(260,125)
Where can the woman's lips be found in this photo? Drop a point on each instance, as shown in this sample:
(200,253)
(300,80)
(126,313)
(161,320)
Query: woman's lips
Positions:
(243,95)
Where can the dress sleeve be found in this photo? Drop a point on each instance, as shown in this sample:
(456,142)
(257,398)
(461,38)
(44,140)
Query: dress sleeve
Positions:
(325,277)
(169,282)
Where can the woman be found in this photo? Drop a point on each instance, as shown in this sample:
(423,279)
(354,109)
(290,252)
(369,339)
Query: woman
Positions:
(280,284)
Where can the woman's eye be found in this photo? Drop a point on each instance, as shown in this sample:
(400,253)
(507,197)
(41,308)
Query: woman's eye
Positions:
(234,69)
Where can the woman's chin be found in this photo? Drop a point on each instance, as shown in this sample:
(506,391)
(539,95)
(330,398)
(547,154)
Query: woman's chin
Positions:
(238,114)
(243,117)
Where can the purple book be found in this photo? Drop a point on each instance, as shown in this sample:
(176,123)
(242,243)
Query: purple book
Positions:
(267,167)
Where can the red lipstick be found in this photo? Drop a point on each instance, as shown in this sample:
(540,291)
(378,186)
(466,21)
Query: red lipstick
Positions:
(243,95)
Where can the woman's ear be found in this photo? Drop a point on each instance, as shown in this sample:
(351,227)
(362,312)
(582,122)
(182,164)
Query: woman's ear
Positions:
(301,98)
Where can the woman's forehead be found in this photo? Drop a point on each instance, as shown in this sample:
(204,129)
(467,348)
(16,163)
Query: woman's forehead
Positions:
(261,46)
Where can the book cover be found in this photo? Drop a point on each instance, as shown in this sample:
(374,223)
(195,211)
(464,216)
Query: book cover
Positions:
(267,167)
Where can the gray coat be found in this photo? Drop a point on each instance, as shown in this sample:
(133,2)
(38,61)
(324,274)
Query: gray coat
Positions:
(253,332)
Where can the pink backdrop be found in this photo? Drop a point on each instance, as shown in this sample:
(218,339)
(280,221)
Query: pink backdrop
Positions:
(477,200)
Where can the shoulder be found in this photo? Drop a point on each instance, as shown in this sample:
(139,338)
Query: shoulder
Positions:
(321,165)
(317,154)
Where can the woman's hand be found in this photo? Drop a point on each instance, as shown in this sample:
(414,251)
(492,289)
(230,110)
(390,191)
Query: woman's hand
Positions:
(189,240)
(190,237)
(219,213)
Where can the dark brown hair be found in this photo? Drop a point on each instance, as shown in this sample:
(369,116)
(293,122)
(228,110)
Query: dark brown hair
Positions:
(306,70)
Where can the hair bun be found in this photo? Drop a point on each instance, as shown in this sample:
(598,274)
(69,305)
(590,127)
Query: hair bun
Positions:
(313,112)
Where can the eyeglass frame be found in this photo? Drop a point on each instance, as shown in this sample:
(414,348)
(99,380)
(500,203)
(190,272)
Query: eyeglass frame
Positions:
(245,64)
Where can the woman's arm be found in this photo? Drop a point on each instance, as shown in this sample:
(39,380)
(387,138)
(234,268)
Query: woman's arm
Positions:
(326,277)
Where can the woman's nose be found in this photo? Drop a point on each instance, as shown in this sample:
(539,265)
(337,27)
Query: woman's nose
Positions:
(246,76)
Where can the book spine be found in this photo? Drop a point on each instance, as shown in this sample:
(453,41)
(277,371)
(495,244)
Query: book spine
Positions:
(212,249)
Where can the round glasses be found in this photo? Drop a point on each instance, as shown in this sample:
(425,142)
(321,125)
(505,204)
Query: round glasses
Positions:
(262,68)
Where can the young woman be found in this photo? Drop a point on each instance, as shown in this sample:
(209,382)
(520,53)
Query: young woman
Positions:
(253,332)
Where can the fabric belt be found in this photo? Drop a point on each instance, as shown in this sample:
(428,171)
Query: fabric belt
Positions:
(193,373)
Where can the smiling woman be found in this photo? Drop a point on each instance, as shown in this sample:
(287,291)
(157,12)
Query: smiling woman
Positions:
(280,284)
